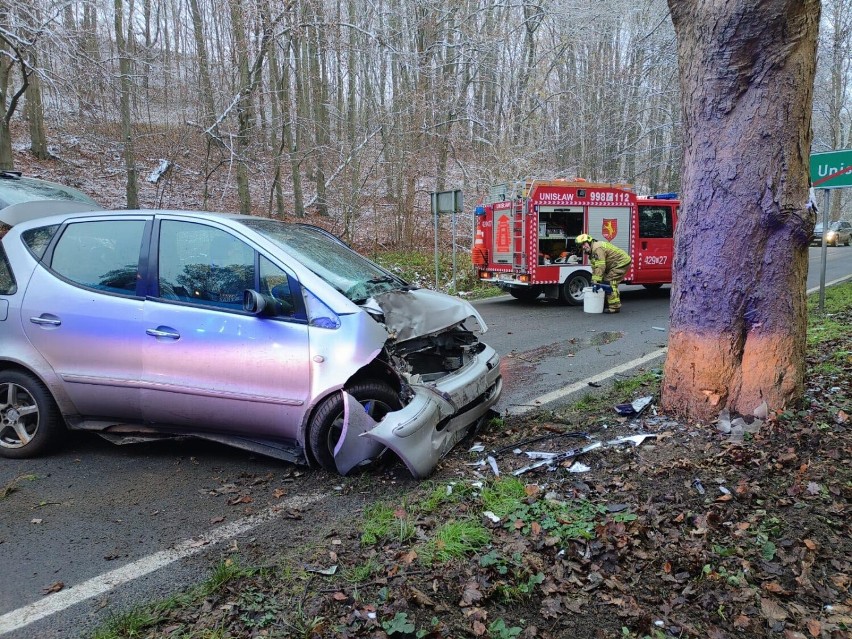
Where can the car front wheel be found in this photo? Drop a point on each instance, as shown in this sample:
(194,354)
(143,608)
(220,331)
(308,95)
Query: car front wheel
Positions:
(326,426)
(29,419)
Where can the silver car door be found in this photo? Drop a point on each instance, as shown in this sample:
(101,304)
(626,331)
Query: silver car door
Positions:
(82,312)
(207,364)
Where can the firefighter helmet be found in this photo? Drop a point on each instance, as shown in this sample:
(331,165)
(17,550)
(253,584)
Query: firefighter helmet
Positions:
(583,238)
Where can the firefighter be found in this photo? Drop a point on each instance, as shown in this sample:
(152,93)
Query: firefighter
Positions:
(609,266)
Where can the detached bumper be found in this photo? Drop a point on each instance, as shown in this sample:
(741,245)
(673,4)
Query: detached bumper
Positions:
(435,420)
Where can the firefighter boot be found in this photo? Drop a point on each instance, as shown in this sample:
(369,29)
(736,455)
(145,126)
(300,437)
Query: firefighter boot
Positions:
(613,301)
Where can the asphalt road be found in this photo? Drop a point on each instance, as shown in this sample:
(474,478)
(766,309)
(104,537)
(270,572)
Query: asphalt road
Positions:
(117,526)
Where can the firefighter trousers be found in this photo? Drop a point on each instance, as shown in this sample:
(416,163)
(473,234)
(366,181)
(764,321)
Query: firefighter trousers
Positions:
(614,276)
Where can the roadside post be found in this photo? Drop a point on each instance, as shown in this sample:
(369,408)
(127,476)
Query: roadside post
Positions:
(446,202)
(830,170)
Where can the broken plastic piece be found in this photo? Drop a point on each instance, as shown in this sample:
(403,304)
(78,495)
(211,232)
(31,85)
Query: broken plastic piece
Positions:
(696,483)
(493,463)
(635,407)
(636,440)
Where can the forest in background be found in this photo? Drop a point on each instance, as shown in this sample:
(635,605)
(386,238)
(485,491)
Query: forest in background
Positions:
(352,111)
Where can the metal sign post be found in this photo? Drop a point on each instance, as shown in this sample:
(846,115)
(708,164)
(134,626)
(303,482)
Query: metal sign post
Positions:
(446,202)
(831,170)
(824,254)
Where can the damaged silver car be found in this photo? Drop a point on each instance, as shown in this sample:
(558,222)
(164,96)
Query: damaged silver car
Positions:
(272,337)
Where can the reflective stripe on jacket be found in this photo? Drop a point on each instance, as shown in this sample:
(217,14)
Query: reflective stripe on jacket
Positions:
(606,255)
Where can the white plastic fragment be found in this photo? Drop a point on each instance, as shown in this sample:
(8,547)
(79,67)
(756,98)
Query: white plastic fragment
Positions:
(157,173)
(478,447)
(579,467)
(493,463)
(540,454)
(492,516)
(723,425)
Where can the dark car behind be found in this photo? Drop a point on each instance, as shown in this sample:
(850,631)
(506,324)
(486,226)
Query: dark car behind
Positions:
(838,233)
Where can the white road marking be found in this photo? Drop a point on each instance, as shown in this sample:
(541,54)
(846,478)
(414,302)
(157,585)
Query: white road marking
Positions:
(64,599)
(831,283)
(561,393)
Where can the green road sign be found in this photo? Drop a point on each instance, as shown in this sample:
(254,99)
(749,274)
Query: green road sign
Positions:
(831,170)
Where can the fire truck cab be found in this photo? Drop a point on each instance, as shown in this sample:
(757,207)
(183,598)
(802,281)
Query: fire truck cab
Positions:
(524,236)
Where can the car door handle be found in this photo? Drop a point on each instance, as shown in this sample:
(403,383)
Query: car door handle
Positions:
(46,320)
(163,331)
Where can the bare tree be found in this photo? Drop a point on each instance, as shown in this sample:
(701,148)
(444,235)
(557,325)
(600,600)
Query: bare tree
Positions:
(738,314)
(12,58)
(125,90)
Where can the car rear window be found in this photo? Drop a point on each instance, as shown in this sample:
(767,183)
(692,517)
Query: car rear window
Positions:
(37,240)
(7,281)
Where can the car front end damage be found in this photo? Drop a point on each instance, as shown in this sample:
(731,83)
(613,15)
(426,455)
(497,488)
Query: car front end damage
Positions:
(450,380)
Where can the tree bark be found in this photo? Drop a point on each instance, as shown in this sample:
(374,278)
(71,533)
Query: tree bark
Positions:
(35,116)
(132,187)
(738,314)
(244,106)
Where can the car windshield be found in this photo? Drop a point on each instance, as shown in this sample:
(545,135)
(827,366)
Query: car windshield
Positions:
(16,190)
(353,275)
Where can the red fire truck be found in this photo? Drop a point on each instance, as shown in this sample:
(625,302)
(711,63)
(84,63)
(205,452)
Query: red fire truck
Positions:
(524,236)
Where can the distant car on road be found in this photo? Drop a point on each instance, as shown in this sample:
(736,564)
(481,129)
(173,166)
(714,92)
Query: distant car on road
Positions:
(272,337)
(16,188)
(838,233)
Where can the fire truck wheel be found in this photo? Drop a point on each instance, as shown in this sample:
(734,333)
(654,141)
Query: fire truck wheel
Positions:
(526,294)
(571,291)
(653,287)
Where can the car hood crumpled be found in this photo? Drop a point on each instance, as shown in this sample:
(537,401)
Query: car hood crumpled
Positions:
(414,313)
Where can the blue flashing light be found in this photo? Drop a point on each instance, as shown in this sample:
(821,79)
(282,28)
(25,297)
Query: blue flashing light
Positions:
(664,196)
(479,210)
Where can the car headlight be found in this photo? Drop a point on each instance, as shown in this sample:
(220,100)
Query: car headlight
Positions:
(830,235)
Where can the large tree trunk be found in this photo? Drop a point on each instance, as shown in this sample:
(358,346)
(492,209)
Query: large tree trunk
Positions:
(132,189)
(738,314)
(244,107)
(35,116)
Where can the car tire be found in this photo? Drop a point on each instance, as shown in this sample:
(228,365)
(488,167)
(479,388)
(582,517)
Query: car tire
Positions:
(571,291)
(653,287)
(378,399)
(27,410)
(526,294)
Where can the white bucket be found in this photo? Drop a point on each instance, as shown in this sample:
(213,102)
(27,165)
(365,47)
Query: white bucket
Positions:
(593,302)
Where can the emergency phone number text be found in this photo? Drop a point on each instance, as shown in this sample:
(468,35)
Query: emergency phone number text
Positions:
(608,196)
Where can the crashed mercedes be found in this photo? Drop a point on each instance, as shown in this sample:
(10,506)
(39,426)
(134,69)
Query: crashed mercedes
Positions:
(272,337)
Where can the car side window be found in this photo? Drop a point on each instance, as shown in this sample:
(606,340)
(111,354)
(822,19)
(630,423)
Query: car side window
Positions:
(7,281)
(103,255)
(37,240)
(203,265)
(275,282)
(655,222)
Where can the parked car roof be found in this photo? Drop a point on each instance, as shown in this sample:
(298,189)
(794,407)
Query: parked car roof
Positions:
(16,188)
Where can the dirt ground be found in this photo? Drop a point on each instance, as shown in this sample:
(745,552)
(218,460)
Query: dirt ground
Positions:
(696,532)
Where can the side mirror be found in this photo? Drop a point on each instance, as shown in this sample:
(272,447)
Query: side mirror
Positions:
(265,305)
